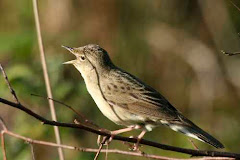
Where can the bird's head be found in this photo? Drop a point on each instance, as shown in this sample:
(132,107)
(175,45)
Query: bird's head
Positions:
(89,57)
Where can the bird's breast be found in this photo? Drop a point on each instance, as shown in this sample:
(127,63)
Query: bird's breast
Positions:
(93,87)
(115,113)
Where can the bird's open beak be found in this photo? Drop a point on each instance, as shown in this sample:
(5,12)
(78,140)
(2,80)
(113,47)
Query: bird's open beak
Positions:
(70,50)
(70,62)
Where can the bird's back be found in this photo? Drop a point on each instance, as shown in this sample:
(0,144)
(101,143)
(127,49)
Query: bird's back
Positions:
(144,105)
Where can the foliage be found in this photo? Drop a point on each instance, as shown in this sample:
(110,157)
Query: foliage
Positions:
(171,45)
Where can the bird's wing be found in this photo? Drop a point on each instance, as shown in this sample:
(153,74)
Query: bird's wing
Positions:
(124,90)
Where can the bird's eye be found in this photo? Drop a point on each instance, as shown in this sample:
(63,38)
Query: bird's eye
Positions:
(82,57)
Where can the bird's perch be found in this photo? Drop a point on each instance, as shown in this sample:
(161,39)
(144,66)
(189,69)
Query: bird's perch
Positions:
(120,138)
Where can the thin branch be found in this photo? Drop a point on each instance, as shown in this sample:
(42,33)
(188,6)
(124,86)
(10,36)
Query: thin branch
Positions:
(2,123)
(50,144)
(100,147)
(120,138)
(9,85)
(235,5)
(32,150)
(68,106)
(4,128)
(3,146)
(46,77)
(106,156)
(230,53)
(93,150)
(193,144)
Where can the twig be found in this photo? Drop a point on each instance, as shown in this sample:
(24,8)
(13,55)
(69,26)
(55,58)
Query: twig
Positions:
(106,156)
(193,144)
(4,128)
(235,5)
(68,106)
(31,141)
(230,53)
(3,146)
(93,150)
(46,77)
(100,147)
(120,138)
(32,150)
(9,85)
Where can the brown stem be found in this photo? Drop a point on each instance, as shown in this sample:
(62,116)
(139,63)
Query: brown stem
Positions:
(68,106)
(100,147)
(46,77)
(3,146)
(32,150)
(193,144)
(230,53)
(93,150)
(8,84)
(235,5)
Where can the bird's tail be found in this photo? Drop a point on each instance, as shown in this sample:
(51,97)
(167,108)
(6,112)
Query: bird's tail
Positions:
(191,130)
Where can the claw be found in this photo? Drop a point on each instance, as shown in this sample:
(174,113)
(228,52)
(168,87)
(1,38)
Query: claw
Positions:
(136,145)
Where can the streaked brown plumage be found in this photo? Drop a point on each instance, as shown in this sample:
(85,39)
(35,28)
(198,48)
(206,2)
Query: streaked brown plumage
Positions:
(128,101)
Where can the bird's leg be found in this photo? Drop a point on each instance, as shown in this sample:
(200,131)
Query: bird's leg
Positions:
(139,137)
(119,131)
(122,130)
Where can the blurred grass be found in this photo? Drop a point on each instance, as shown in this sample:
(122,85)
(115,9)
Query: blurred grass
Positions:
(129,31)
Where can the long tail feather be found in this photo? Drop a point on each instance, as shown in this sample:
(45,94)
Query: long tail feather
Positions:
(197,133)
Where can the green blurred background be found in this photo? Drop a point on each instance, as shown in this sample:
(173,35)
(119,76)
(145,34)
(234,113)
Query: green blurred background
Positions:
(174,46)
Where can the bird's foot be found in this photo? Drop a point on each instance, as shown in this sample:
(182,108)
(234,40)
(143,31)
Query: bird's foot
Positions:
(101,141)
(99,138)
(139,137)
(114,133)
(135,146)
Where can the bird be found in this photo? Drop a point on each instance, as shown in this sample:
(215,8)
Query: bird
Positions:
(128,101)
